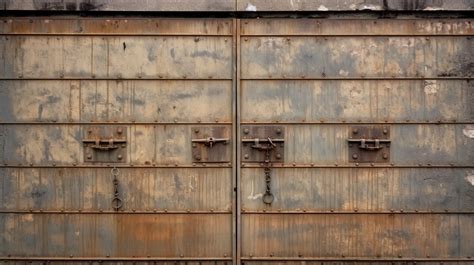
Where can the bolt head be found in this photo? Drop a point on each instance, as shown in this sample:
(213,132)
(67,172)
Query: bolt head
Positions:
(246,130)
(278,130)
(119,157)
(246,156)
(355,131)
(355,156)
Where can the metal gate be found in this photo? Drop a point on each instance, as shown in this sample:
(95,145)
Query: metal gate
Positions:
(227,141)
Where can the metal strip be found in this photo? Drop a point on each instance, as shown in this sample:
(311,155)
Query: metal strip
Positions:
(43,123)
(310,78)
(321,122)
(355,211)
(235,178)
(359,78)
(239,148)
(100,259)
(367,35)
(124,34)
(226,165)
(360,259)
(79,211)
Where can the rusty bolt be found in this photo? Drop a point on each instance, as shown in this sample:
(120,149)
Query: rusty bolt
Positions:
(278,130)
(194,145)
(278,156)
(89,156)
(385,156)
(246,130)
(119,157)
(246,156)
(355,156)
(355,131)
(385,131)
(196,39)
(197,157)
(196,130)
(119,130)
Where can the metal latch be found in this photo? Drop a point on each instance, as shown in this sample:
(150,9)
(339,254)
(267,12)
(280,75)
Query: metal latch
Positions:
(369,144)
(268,141)
(211,144)
(105,144)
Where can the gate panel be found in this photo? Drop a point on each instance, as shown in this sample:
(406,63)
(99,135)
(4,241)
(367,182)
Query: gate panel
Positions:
(73,92)
(326,85)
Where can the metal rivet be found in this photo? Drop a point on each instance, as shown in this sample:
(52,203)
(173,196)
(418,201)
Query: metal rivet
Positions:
(246,156)
(355,131)
(119,130)
(278,156)
(355,156)
(385,156)
(246,130)
(119,157)
(196,130)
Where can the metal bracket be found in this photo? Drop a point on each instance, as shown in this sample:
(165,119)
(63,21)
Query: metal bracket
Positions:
(107,144)
(211,144)
(369,144)
(258,138)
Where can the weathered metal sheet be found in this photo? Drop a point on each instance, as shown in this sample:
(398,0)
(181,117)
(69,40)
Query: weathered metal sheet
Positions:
(360,189)
(167,235)
(62,144)
(351,27)
(361,235)
(357,100)
(116,57)
(116,100)
(356,57)
(90,189)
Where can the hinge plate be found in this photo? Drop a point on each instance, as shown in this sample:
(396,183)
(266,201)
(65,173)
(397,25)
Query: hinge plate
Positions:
(262,132)
(218,151)
(369,144)
(105,144)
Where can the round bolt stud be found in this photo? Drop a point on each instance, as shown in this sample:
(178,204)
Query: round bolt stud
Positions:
(385,156)
(246,156)
(355,131)
(196,130)
(246,131)
(278,130)
(89,156)
(197,157)
(355,156)
(119,157)
(385,131)
(278,156)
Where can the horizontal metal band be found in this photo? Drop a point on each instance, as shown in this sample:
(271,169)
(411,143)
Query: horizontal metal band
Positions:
(148,258)
(361,259)
(134,34)
(354,165)
(229,165)
(414,35)
(115,79)
(322,78)
(194,165)
(320,122)
(153,211)
(354,211)
(115,123)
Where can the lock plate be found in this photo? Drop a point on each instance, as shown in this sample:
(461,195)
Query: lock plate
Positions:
(211,144)
(369,144)
(261,133)
(105,144)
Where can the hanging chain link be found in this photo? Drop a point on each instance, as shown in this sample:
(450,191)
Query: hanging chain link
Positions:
(116,201)
(268,196)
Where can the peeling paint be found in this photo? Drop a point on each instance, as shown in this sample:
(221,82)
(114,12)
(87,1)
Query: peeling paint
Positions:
(251,7)
(468,131)
(322,8)
(431,87)
(470,179)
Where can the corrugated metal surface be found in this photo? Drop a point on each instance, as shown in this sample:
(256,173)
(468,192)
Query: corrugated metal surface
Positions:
(161,78)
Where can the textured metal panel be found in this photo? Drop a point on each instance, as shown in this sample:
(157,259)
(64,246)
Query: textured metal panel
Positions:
(361,189)
(116,57)
(356,57)
(287,235)
(116,235)
(357,100)
(115,100)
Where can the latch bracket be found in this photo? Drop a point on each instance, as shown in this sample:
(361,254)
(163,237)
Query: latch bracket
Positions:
(210,144)
(369,144)
(105,144)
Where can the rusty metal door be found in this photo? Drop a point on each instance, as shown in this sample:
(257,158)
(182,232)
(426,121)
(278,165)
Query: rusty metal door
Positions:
(151,97)
(356,141)
(119,140)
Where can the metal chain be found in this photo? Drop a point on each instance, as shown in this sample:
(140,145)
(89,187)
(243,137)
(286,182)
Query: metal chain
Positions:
(116,201)
(268,196)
